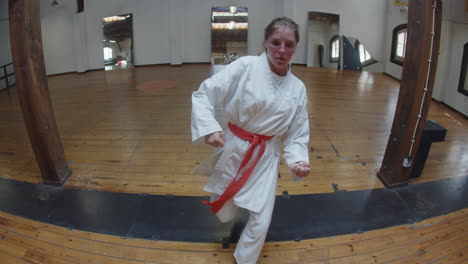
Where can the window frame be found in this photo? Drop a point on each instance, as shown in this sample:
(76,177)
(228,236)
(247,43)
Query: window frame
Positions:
(394,57)
(330,49)
(366,62)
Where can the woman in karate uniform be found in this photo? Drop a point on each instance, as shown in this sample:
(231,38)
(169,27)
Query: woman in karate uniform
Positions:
(265,105)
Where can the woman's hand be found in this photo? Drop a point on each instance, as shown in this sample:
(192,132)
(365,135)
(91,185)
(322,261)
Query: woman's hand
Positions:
(300,168)
(215,139)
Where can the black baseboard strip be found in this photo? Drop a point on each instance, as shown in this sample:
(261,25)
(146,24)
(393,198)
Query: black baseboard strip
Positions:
(182,218)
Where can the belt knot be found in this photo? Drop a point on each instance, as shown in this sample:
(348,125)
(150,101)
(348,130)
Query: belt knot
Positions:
(236,184)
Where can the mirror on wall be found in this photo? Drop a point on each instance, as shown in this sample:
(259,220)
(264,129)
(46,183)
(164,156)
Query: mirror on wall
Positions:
(463,83)
(229,29)
(323,40)
(118,42)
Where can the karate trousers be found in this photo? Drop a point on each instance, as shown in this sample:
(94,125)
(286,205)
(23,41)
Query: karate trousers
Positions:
(253,236)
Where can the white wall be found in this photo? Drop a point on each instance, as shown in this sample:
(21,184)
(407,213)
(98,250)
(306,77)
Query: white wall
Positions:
(448,70)
(158,41)
(57,36)
(261,12)
(360,19)
(445,50)
(453,38)
(454,10)
(363,20)
(176,30)
(197,31)
(80,43)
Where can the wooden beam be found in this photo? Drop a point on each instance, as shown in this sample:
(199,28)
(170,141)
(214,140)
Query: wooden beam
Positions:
(422,48)
(33,93)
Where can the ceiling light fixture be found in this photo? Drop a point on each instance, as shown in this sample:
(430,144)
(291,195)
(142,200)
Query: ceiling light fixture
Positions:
(233,9)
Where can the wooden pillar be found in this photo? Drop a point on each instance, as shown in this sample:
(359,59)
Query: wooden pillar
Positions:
(33,93)
(422,47)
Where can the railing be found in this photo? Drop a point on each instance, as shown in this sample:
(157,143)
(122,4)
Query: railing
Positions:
(3,70)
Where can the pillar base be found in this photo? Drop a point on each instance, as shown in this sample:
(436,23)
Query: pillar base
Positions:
(390,185)
(59,183)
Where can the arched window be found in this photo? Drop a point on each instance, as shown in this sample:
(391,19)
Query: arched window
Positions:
(107,53)
(334,48)
(364,55)
(399,44)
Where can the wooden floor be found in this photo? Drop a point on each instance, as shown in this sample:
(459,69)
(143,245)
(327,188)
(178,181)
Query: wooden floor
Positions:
(438,240)
(119,138)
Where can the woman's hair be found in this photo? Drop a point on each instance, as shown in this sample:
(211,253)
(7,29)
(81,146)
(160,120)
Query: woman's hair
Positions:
(282,22)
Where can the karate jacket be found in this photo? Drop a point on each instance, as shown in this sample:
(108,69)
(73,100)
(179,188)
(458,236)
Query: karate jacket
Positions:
(248,94)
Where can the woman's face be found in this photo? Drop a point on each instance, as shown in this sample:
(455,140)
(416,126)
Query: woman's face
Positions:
(280,47)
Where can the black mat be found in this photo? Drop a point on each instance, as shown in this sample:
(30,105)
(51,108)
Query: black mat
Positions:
(176,218)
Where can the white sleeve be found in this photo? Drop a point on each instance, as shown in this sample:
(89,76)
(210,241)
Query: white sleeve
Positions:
(212,93)
(296,139)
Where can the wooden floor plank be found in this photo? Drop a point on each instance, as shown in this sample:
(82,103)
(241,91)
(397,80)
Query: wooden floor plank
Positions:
(380,249)
(437,240)
(458,257)
(9,259)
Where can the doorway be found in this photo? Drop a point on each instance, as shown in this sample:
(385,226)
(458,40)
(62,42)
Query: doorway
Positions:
(118,42)
(229,29)
(323,41)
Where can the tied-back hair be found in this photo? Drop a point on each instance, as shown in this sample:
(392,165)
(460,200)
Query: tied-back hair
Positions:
(282,22)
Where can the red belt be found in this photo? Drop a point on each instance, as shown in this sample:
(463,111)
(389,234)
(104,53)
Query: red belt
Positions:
(237,183)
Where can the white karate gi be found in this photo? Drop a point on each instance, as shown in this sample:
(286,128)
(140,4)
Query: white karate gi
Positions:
(251,96)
